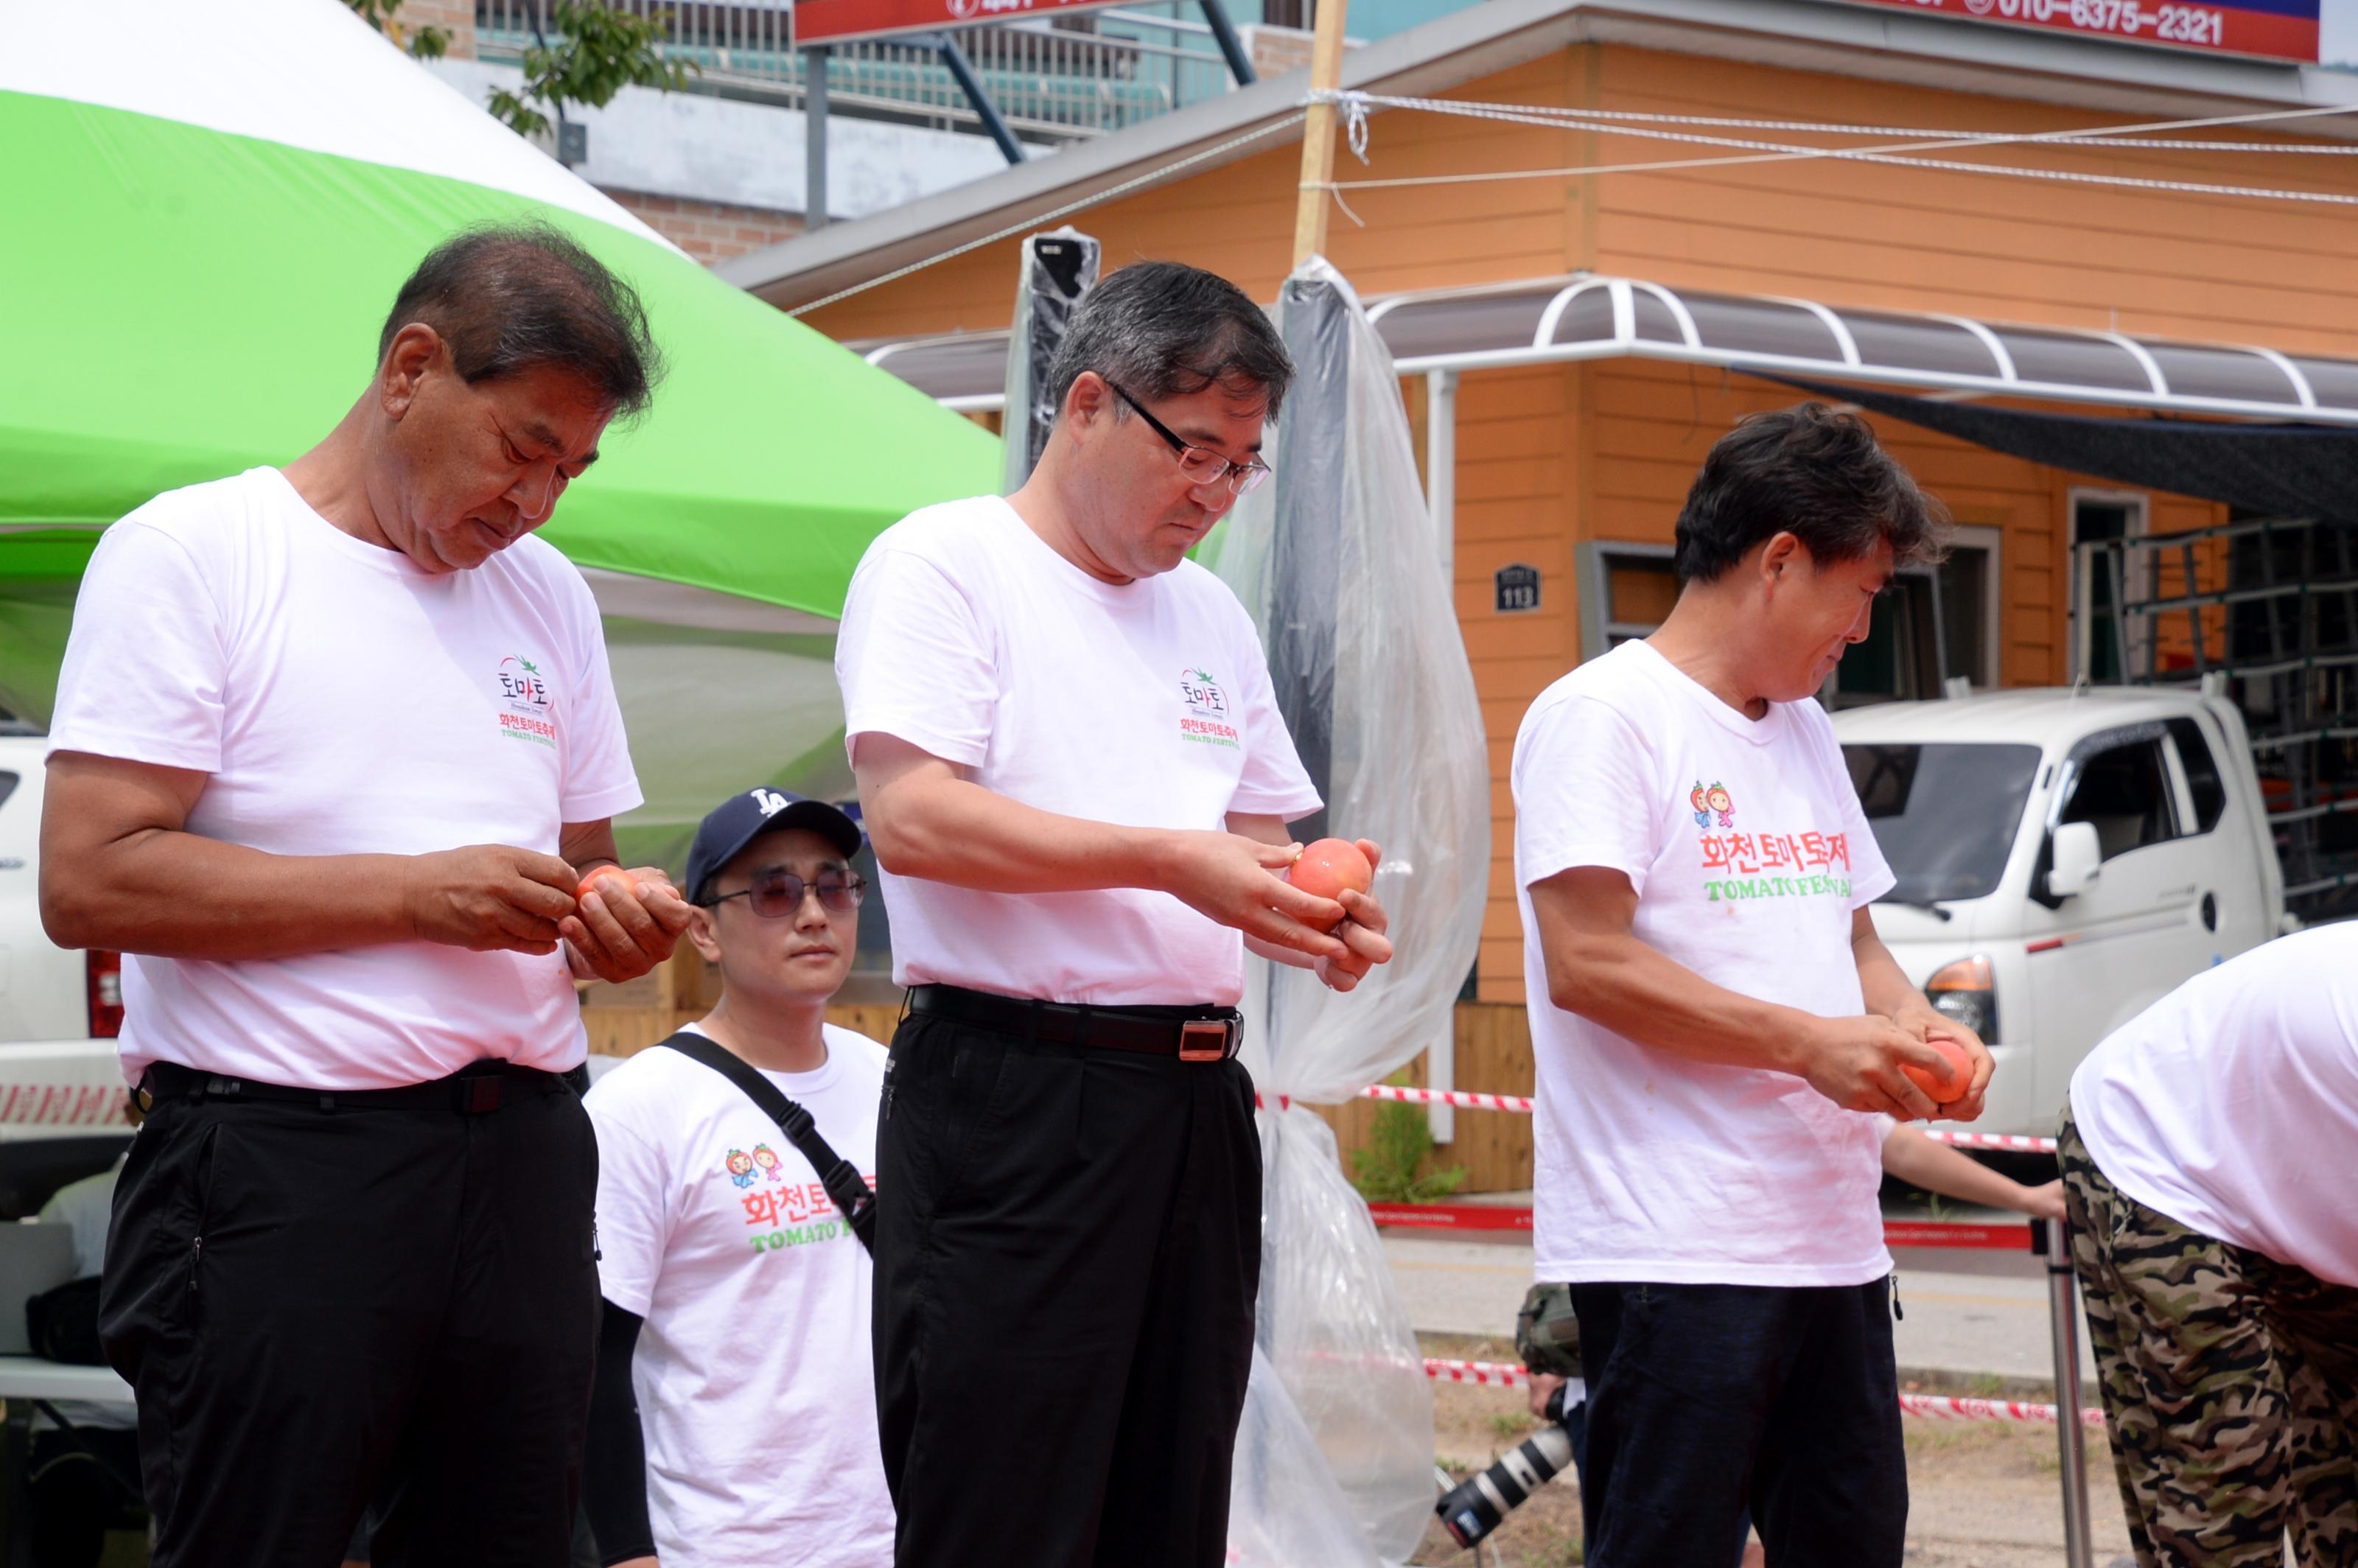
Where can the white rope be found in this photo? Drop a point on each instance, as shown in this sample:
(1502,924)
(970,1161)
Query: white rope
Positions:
(2091,135)
(1760,152)
(1152,177)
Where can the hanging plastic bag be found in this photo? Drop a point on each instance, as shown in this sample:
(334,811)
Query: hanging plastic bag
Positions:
(1340,565)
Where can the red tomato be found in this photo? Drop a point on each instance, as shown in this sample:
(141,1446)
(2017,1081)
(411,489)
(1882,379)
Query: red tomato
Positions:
(602,874)
(1962,1079)
(1327,867)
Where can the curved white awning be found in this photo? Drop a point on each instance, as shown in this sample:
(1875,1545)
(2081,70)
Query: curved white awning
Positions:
(1556,320)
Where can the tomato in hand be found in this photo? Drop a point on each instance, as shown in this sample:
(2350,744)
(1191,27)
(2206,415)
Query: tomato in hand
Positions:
(1961,1073)
(1329,867)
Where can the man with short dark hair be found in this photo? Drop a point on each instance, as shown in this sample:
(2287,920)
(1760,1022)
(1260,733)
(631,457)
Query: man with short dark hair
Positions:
(1713,1018)
(1076,781)
(334,745)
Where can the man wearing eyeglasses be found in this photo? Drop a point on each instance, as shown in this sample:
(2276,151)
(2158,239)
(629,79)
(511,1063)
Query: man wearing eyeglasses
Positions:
(733,1420)
(1074,772)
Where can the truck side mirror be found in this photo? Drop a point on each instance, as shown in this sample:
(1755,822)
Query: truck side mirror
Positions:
(2078,860)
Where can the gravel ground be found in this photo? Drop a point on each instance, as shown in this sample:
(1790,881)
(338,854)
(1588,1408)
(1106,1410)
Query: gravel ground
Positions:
(1983,1494)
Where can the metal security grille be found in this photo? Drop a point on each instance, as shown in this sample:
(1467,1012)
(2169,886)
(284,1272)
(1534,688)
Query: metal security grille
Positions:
(2266,610)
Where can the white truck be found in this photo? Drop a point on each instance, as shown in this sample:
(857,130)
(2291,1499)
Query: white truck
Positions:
(2064,857)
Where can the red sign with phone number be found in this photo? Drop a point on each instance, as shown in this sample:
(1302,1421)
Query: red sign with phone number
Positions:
(2276,29)
(840,21)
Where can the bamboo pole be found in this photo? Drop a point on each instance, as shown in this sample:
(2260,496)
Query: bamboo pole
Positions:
(1318,134)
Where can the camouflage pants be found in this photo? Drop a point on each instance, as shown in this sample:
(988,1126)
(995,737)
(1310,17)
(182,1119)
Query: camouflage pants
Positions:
(2230,1385)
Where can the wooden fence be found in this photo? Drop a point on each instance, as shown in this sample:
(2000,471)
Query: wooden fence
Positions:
(1494,1054)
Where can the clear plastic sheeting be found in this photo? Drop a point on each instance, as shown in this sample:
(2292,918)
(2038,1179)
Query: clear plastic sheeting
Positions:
(1059,267)
(1340,565)
(1284,1508)
(1388,687)
(1331,1322)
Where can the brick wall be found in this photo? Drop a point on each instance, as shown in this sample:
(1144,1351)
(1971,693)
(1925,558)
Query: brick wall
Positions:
(456,17)
(711,231)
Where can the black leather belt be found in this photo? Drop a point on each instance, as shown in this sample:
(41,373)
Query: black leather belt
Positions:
(473,1090)
(1190,1034)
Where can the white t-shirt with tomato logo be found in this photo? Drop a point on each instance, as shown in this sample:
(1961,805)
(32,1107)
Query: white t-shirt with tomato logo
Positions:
(755,1389)
(1748,852)
(343,700)
(1146,704)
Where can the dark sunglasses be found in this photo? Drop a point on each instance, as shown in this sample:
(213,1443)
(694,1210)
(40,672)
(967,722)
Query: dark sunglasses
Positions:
(774,895)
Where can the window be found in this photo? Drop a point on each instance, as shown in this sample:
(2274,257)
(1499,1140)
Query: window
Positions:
(1900,659)
(7,786)
(2202,778)
(1932,625)
(2124,793)
(1626,592)
(2102,636)
(1943,815)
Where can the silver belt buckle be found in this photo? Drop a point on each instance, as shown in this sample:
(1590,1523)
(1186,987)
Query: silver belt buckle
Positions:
(1205,1038)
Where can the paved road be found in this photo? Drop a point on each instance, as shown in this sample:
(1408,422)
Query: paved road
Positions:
(1968,1313)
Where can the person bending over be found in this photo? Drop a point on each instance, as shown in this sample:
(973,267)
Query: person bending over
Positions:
(2209,1158)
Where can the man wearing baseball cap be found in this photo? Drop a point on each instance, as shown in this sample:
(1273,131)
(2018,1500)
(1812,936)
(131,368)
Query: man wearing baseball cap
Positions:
(734,1416)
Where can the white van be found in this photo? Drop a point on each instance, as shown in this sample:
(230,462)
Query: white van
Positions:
(2065,858)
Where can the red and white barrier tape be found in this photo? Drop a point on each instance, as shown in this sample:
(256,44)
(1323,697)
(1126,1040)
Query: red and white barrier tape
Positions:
(1465,1100)
(1462,1099)
(1494,1374)
(1506,1375)
(1944,1408)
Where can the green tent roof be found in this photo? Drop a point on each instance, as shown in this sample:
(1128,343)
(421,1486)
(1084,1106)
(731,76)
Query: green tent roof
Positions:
(201,243)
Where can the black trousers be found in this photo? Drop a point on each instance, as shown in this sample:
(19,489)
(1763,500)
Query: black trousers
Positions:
(324,1308)
(1703,1399)
(1067,1252)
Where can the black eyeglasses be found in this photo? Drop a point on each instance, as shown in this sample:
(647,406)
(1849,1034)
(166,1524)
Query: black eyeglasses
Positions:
(1201,465)
(774,895)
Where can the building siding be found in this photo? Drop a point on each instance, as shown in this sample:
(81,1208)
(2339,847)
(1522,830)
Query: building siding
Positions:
(1551,458)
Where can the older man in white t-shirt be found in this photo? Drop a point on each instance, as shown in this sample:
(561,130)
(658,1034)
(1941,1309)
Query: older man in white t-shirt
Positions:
(2211,1169)
(1714,1021)
(333,744)
(1077,782)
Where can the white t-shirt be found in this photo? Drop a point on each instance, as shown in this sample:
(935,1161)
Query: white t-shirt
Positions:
(1146,705)
(344,702)
(2230,1105)
(755,1388)
(1651,1166)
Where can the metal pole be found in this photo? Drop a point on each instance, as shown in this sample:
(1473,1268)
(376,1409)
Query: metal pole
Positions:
(1441,497)
(2071,1436)
(1232,47)
(962,71)
(814,215)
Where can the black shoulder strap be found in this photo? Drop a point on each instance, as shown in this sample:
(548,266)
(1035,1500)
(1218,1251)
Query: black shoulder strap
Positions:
(845,1186)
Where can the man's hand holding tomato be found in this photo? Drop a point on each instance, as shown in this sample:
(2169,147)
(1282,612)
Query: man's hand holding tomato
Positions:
(626,922)
(1928,1024)
(1362,932)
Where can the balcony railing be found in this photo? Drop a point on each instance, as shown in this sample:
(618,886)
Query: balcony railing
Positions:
(1093,74)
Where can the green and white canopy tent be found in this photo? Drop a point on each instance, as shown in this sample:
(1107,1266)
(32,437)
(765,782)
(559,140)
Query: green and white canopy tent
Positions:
(208,210)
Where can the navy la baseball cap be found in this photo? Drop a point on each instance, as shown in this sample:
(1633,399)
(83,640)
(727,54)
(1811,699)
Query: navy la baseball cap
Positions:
(741,818)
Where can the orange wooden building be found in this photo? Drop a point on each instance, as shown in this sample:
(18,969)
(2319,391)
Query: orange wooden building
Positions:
(1573,341)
